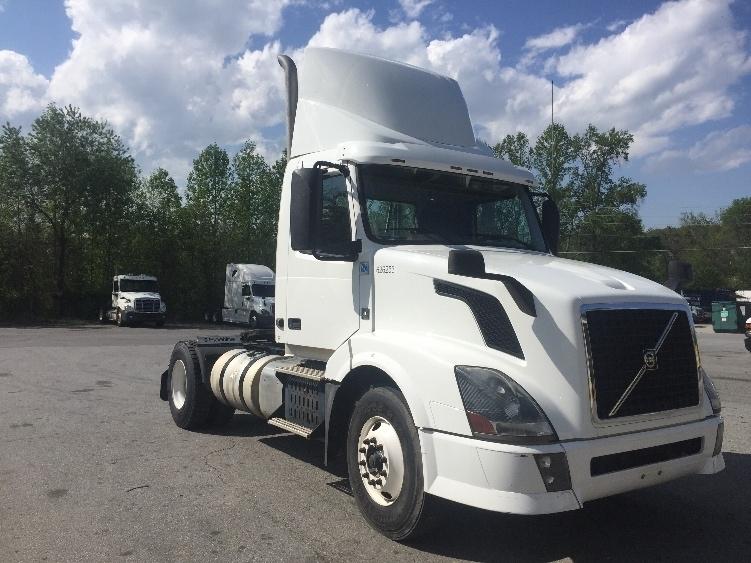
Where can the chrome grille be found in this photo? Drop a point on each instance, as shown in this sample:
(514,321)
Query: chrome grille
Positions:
(641,361)
(146,305)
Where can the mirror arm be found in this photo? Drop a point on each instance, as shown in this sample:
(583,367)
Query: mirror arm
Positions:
(344,169)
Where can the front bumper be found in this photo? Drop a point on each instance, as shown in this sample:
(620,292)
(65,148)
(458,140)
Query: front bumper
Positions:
(505,478)
(137,316)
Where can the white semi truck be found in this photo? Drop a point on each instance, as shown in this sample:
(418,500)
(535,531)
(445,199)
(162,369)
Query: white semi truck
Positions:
(426,329)
(135,299)
(248,297)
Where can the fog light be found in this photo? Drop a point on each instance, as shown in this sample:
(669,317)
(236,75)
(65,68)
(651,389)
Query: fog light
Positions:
(718,439)
(554,471)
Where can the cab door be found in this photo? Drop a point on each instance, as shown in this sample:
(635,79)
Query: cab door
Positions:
(323,295)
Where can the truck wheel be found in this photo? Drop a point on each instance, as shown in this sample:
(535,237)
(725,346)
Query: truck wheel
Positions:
(385,465)
(189,400)
(119,318)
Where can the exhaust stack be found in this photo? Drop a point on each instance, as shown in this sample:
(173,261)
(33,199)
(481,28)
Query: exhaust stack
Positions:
(290,79)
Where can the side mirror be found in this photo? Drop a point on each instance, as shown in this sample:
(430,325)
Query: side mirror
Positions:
(311,225)
(305,202)
(551,224)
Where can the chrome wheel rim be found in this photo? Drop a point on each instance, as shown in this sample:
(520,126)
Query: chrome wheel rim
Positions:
(380,460)
(179,379)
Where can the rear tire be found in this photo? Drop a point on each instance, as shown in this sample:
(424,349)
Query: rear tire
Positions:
(399,508)
(190,401)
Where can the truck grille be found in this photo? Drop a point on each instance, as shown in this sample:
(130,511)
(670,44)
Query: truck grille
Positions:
(146,305)
(619,343)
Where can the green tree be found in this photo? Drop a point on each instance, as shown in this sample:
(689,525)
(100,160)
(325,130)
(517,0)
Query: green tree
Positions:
(81,178)
(205,227)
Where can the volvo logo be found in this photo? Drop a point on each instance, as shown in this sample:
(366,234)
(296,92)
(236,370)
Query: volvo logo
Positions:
(650,359)
(649,364)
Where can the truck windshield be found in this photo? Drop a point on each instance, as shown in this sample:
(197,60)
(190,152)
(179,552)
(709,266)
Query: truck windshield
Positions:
(417,206)
(145,286)
(262,290)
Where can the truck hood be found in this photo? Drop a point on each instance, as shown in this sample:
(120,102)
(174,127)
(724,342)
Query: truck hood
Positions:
(139,295)
(553,366)
(547,275)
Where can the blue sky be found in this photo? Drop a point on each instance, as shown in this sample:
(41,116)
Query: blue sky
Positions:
(175,75)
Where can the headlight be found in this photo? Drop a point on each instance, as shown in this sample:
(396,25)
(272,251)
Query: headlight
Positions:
(163,307)
(714,397)
(127,304)
(498,408)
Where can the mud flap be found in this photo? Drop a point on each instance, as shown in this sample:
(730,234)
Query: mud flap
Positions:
(164,386)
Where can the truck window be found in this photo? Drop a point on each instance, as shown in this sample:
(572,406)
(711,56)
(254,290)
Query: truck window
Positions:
(246,290)
(505,217)
(406,205)
(139,285)
(335,225)
(391,219)
(263,290)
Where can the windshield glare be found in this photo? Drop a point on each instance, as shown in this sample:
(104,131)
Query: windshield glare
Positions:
(140,286)
(417,206)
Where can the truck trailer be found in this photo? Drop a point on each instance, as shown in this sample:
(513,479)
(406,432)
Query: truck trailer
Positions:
(426,330)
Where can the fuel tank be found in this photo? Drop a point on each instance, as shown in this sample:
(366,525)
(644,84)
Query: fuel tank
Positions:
(246,380)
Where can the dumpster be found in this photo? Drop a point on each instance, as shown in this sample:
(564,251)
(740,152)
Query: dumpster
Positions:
(729,316)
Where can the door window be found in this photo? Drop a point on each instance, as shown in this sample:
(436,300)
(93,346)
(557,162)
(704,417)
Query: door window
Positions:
(334,228)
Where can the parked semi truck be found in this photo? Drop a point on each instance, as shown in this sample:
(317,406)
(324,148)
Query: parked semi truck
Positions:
(135,299)
(426,330)
(248,297)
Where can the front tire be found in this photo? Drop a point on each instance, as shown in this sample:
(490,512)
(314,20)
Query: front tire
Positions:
(385,465)
(119,318)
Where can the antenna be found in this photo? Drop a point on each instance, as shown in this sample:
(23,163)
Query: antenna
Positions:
(551,103)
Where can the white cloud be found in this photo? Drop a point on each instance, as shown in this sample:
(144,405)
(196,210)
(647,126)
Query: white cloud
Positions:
(413,8)
(718,151)
(22,91)
(616,25)
(559,37)
(666,70)
(159,72)
(173,76)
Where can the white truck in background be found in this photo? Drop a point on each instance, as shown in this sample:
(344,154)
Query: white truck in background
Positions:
(135,299)
(426,329)
(248,297)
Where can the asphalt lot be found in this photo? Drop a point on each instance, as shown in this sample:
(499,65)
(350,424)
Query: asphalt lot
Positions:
(92,468)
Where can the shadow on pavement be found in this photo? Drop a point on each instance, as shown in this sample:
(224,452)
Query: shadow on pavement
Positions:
(699,518)
(243,425)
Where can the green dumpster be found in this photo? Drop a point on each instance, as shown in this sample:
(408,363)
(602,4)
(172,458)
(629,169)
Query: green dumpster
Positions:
(727,316)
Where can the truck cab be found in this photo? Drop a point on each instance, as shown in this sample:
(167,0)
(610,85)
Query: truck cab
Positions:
(135,299)
(249,296)
(426,329)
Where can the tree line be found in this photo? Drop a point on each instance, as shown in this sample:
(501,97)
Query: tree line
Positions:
(600,220)
(75,210)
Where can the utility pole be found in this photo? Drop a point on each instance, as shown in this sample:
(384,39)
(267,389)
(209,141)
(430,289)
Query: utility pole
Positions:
(551,102)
